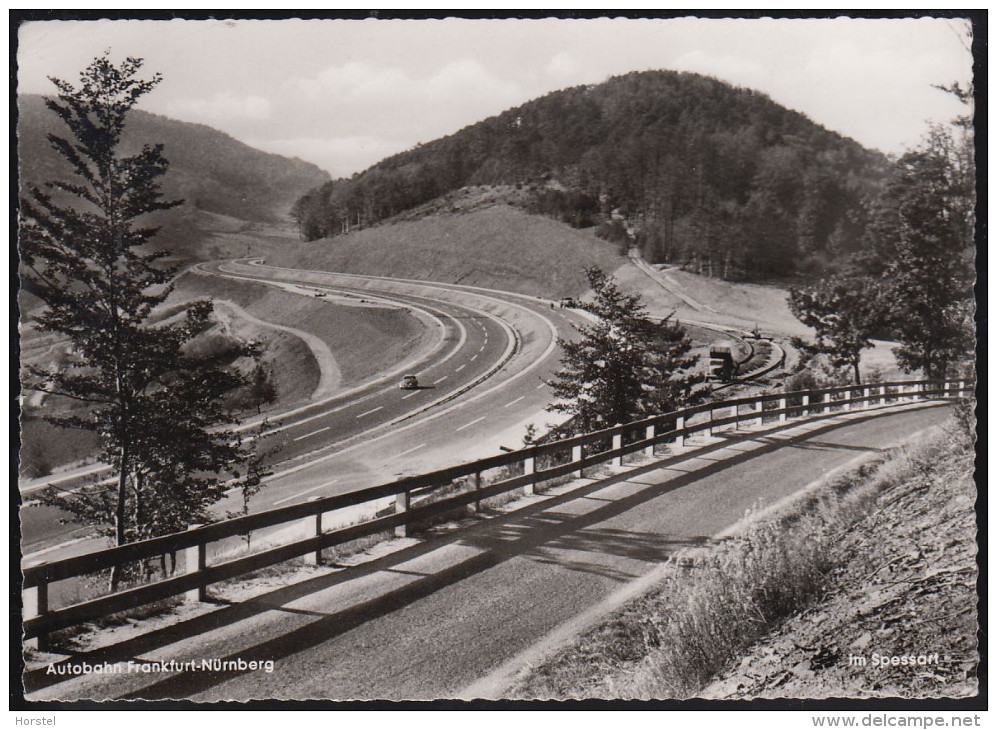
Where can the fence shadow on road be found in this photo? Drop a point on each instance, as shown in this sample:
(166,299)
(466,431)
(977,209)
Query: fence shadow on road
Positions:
(534,530)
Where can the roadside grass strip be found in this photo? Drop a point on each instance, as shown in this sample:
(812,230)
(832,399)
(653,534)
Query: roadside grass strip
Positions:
(708,605)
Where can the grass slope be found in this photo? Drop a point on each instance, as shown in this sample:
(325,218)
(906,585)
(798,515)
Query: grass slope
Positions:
(362,340)
(497,246)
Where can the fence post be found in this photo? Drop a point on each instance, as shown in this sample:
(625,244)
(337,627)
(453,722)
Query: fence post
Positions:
(945,389)
(736,412)
(35,603)
(195,561)
(313,528)
(680,426)
(865,398)
(649,433)
(805,406)
(847,405)
(477,492)
(882,395)
(782,407)
(962,385)
(760,410)
(827,403)
(403,501)
(711,421)
(576,455)
(618,444)
(529,467)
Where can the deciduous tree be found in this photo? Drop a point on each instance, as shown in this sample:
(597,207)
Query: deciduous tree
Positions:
(844,313)
(85,245)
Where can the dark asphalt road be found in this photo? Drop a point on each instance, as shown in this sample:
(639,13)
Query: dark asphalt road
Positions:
(433,618)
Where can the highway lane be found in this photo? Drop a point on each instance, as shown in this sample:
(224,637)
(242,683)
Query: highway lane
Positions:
(439,618)
(389,444)
(453,342)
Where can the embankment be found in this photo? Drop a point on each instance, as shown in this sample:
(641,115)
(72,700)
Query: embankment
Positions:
(878,561)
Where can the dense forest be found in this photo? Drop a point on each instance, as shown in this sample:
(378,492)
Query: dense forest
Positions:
(688,168)
(209,170)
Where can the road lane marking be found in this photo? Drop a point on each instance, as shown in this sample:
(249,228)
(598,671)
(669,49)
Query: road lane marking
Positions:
(542,385)
(301,438)
(414,392)
(435,382)
(512,403)
(459,369)
(474,358)
(374,410)
(398,456)
(468,425)
(481,349)
(307,491)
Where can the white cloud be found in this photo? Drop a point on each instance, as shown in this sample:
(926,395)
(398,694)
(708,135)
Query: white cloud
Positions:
(340,156)
(562,66)
(366,99)
(222,107)
(736,70)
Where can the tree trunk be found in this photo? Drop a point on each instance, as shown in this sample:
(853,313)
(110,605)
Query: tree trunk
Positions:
(119,514)
(855,365)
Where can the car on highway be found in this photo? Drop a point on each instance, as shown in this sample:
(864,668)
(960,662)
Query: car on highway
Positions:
(409,382)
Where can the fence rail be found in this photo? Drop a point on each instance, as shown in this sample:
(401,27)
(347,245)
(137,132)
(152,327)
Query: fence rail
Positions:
(412,498)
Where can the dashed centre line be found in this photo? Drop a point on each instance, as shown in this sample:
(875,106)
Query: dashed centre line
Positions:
(398,456)
(414,392)
(468,425)
(542,385)
(459,369)
(312,433)
(307,491)
(475,357)
(373,410)
(441,379)
(512,403)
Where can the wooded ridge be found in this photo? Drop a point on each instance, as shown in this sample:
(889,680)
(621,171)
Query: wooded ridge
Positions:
(689,168)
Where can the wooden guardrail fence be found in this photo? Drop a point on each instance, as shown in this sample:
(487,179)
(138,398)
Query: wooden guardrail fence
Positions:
(567,456)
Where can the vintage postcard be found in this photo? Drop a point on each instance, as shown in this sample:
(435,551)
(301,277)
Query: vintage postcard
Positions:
(502,360)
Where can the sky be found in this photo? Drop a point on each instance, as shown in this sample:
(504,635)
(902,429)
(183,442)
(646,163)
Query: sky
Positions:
(343,94)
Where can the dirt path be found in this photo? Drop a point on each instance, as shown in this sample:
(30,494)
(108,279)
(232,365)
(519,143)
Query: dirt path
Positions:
(329,377)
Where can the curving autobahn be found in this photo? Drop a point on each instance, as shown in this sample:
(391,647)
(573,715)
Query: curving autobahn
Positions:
(480,378)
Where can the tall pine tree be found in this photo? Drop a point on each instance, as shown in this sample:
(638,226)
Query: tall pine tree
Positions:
(85,250)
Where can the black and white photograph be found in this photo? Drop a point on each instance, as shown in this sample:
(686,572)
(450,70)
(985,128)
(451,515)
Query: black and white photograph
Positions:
(492,361)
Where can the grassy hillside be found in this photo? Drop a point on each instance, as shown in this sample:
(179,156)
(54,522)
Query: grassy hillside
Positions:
(360,338)
(496,246)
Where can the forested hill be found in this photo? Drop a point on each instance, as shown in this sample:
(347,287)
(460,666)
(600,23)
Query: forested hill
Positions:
(209,170)
(695,170)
